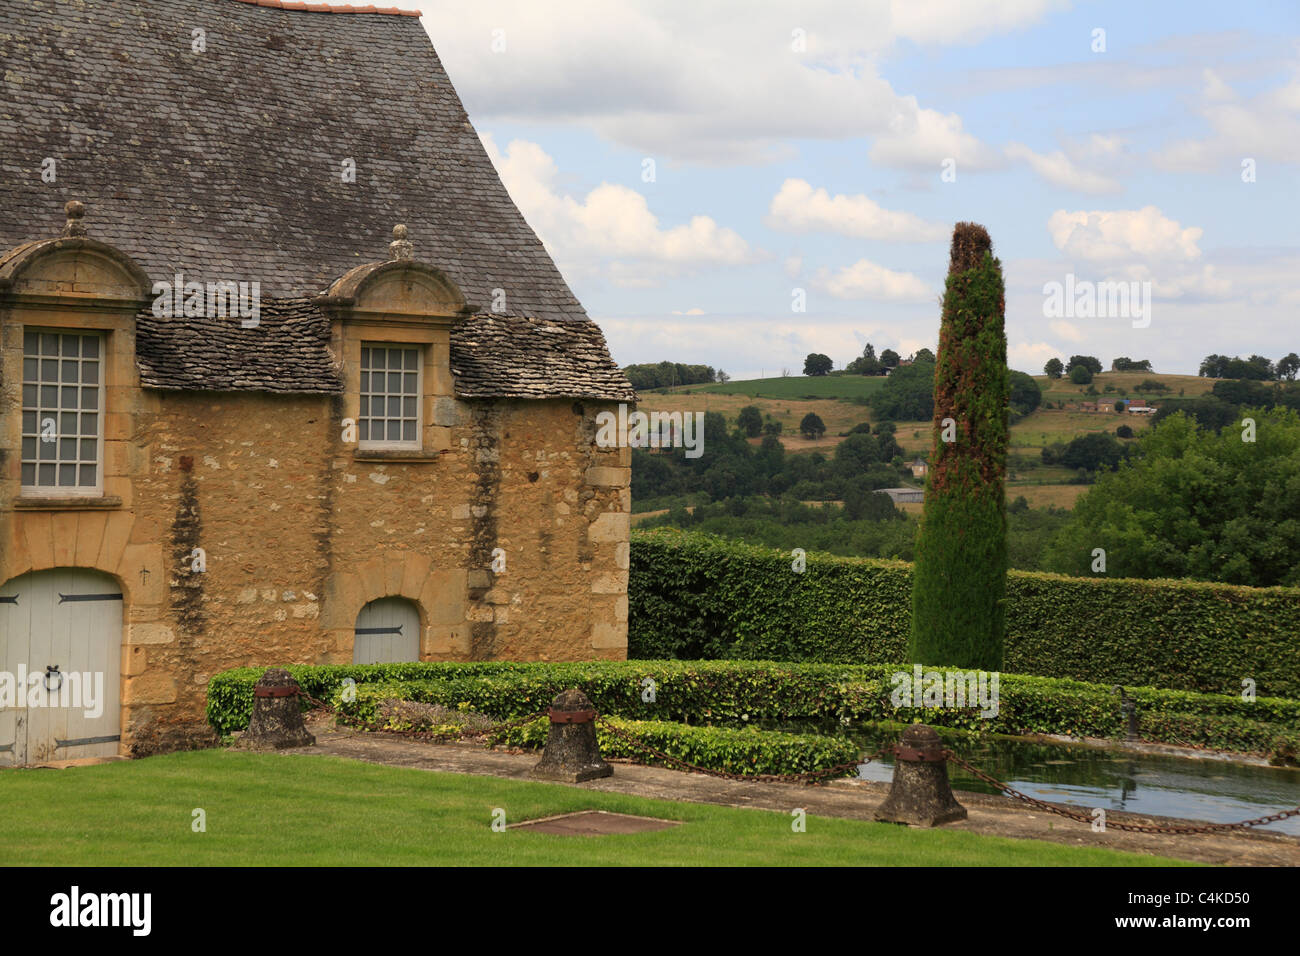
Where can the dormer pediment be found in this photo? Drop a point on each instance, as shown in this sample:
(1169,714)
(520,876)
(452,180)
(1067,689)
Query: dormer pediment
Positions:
(73,266)
(401,290)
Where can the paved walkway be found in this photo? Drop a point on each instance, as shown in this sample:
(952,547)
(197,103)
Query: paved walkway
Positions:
(990,815)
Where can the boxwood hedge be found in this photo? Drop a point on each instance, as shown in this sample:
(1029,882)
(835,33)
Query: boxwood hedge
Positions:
(737,692)
(694,596)
(747,751)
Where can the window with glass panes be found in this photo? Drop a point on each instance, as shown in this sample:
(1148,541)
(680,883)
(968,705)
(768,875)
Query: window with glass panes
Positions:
(62,411)
(390,396)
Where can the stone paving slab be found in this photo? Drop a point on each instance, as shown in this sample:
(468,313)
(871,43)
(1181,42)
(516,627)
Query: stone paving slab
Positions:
(990,815)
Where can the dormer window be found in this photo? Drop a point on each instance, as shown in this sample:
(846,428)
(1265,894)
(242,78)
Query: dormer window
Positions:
(391,390)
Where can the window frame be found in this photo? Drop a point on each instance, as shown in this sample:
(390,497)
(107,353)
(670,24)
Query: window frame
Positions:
(370,444)
(101,412)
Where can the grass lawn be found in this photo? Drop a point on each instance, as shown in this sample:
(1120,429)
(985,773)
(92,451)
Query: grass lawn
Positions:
(326,811)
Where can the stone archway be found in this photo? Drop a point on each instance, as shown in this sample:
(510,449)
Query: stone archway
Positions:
(439,595)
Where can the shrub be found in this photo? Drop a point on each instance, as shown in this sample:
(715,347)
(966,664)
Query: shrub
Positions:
(961,548)
(1025,395)
(747,751)
(694,596)
(812,426)
(1081,375)
(750,420)
(741,693)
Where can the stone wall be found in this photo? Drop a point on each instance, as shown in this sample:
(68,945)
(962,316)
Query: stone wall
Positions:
(299,531)
(507,525)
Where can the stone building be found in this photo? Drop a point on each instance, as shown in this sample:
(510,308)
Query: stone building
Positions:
(285,377)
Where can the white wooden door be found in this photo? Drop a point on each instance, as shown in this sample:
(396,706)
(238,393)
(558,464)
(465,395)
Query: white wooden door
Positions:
(388,631)
(65,626)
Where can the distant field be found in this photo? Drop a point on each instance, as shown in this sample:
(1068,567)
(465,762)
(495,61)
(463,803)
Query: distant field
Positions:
(838,416)
(797,386)
(1043,496)
(1050,425)
(1038,496)
(1064,390)
(782,398)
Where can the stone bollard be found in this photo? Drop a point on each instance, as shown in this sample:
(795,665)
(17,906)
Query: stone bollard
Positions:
(571,753)
(920,794)
(277,718)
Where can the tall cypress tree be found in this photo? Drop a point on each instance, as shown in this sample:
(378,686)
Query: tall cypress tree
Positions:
(959,579)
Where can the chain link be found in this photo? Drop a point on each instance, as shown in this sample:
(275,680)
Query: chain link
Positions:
(1131,827)
(811,776)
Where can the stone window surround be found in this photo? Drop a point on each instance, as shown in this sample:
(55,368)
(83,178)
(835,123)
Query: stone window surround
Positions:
(115,409)
(398,302)
(57,490)
(385,444)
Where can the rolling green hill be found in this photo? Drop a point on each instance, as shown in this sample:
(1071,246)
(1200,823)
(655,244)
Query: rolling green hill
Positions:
(845,387)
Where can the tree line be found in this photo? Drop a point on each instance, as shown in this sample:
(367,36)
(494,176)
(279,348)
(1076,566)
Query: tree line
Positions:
(670,374)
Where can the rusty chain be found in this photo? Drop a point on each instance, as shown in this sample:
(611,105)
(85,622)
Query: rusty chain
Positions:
(816,776)
(808,777)
(1131,827)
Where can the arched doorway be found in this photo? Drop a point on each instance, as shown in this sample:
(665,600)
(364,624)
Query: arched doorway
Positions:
(387,632)
(60,666)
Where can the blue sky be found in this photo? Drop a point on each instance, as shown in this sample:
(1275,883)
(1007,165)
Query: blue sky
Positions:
(800,147)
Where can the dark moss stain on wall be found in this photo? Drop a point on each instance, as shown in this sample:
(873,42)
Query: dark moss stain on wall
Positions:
(186,534)
(485,447)
(323,530)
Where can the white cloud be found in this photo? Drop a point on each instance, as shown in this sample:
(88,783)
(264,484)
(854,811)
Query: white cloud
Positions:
(1174,282)
(711,82)
(1059,170)
(1067,331)
(692,311)
(610,223)
(797,207)
(1265,127)
(1116,234)
(1030,357)
(866,280)
(966,21)
(923,139)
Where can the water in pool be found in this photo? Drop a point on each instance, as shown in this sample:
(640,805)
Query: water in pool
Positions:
(1217,791)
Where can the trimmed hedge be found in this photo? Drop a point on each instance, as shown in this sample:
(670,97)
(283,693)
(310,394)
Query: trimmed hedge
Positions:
(747,751)
(694,596)
(736,692)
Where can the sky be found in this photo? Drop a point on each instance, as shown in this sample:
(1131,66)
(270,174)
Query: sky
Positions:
(738,184)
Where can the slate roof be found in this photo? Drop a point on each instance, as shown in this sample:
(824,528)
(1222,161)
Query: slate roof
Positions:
(288,351)
(492,356)
(226,164)
(531,358)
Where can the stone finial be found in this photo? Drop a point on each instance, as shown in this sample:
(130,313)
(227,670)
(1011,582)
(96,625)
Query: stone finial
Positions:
(75,228)
(400,247)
